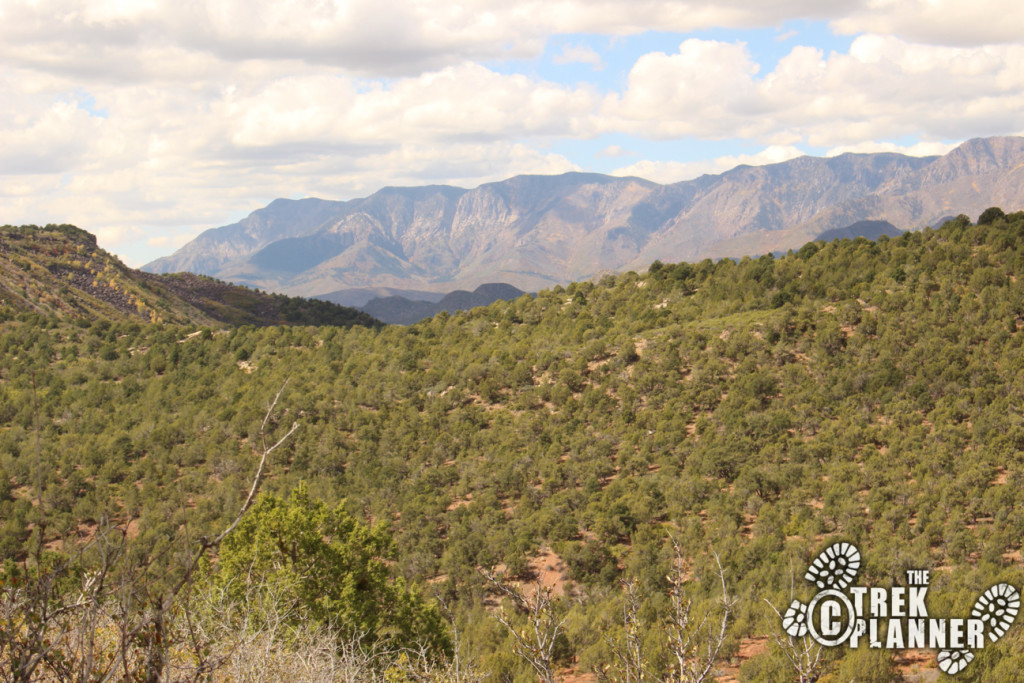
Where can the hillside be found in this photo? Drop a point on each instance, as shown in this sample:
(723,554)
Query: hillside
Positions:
(59,271)
(760,409)
(535,231)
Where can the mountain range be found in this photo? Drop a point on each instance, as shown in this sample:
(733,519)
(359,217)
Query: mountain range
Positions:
(537,231)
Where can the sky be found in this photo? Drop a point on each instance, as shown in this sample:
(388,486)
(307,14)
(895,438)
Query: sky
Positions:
(149,121)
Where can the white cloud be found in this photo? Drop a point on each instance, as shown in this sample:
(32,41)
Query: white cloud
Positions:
(941,22)
(700,90)
(675,171)
(920,149)
(179,156)
(307,117)
(614,151)
(884,88)
(105,38)
(579,54)
(212,108)
(167,162)
(48,142)
(375,37)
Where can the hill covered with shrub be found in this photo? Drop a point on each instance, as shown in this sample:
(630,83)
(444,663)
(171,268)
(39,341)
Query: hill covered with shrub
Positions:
(759,409)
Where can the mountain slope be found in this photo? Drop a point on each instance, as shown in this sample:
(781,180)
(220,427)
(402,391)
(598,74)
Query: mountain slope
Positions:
(281,219)
(758,409)
(58,271)
(975,175)
(535,231)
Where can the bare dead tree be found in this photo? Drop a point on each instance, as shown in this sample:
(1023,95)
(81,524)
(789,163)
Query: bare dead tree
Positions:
(152,627)
(803,652)
(420,665)
(694,651)
(426,666)
(693,646)
(630,658)
(262,636)
(536,640)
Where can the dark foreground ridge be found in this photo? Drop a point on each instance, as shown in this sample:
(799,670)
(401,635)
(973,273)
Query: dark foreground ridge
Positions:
(59,271)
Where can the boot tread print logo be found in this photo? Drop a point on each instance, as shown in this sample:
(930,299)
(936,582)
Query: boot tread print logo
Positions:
(836,567)
(894,618)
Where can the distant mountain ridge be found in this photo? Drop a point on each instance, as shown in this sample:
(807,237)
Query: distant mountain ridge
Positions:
(869,229)
(536,231)
(281,219)
(401,310)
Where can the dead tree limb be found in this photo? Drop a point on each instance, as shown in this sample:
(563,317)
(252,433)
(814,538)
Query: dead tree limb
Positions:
(535,642)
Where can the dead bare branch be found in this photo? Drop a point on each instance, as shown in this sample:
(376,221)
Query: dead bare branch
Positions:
(535,642)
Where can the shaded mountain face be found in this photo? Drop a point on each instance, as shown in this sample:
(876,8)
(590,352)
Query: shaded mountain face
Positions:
(869,229)
(537,231)
(281,219)
(358,297)
(401,310)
